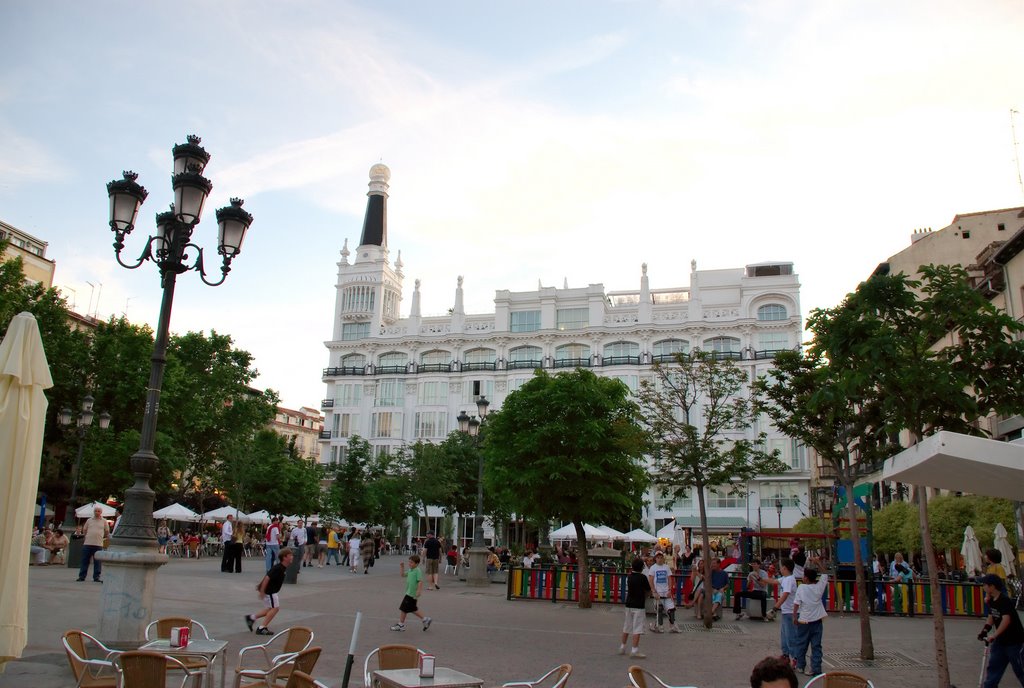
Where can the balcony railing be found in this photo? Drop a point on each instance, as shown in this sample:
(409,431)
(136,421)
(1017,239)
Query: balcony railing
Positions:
(480,365)
(433,368)
(572,362)
(767,353)
(392,370)
(531,364)
(666,358)
(327,403)
(336,372)
(325,434)
(620,360)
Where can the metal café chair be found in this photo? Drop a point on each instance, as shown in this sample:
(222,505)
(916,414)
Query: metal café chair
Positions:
(89,671)
(280,673)
(839,679)
(300,679)
(641,678)
(556,678)
(144,669)
(161,630)
(391,657)
(280,647)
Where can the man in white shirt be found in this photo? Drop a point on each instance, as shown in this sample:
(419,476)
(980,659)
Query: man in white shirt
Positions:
(297,537)
(808,612)
(227,534)
(787,594)
(660,574)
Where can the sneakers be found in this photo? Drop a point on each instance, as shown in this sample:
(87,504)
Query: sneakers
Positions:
(808,672)
(637,655)
(674,629)
(263,630)
(656,629)
(739,616)
(249,621)
(622,649)
(398,627)
(426,623)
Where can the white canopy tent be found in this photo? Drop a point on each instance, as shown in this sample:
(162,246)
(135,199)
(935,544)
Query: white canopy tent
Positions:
(638,535)
(176,512)
(85,511)
(569,533)
(222,514)
(612,533)
(961,463)
(262,516)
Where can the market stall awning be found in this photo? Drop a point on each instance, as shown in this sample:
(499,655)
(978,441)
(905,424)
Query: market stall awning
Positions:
(961,463)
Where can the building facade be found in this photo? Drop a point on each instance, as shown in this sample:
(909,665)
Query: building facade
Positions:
(32,251)
(304,425)
(397,380)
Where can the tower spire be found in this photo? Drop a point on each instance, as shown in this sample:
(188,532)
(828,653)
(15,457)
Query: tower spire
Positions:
(375,224)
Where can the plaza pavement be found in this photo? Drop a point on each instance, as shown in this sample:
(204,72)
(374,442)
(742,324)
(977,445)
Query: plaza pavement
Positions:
(475,631)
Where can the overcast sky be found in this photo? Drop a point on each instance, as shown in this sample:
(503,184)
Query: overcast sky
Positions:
(527,141)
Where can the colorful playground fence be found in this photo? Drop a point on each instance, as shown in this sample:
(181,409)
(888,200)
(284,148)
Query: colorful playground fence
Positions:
(559,584)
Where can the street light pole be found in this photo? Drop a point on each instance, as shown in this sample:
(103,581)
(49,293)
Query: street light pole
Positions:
(477,552)
(127,597)
(778,510)
(85,417)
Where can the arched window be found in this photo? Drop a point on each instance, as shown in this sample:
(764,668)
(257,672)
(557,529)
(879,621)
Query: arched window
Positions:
(479,359)
(392,362)
(618,353)
(572,355)
(525,357)
(436,360)
(666,349)
(723,347)
(772,311)
(353,361)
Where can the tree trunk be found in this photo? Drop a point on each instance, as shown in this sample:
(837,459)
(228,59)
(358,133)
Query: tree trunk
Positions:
(582,566)
(941,660)
(867,646)
(705,559)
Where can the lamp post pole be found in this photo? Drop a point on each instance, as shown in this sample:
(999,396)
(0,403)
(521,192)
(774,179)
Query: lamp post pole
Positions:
(478,551)
(132,562)
(778,510)
(85,417)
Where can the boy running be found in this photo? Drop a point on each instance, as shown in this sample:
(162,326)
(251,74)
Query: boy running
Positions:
(269,588)
(413,589)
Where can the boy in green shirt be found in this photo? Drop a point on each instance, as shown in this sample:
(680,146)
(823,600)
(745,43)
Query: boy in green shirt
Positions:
(413,589)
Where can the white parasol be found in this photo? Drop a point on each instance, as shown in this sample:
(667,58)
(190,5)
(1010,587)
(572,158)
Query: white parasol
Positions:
(262,516)
(222,514)
(971,552)
(1003,545)
(638,535)
(24,374)
(569,533)
(612,533)
(176,512)
(85,511)
(667,531)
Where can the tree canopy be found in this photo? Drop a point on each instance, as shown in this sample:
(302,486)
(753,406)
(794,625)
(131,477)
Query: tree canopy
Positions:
(567,447)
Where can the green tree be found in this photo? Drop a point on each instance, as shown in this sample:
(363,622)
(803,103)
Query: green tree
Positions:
(432,474)
(936,355)
(701,421)
(348,496)
(813,524)
(390,490)
(567,447)
(895,528)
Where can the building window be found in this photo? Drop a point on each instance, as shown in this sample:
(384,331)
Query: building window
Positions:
(1001,227)
(386,425)
(434,357)
(524,321)
(572,355)
(354,361)
(348,395)
(966,234)
(666,349)
(433,393)
(772,311)
(631,381)
(525,357)
(389,393)
(480,356)
(621,349)
(723,345)
(670,502)
(338,453)
(358,299)
(573,318)
(772,341)
(474,389)
(431,424)
(517,382)
(381,451)
(344,424)
(350,331)
(722,498)
(393,359)
(788,493)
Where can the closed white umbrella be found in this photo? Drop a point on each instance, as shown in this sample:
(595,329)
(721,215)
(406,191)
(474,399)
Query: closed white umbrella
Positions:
(639,535)
(85,511)
(971,552)
(1003,545)
(176,512)
(24,374)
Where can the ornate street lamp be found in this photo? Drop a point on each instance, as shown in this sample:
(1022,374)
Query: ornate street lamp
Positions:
(134,558)
(778,510)
(84,421)
(478,552)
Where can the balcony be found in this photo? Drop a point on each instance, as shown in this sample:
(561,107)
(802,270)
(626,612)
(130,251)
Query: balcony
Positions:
(572,362)
(620,360)
(666,358)
(338,372)
(531,364)
(434,368)
(768,353)
(325,434)
(392,370)
(327,403)
(480,365)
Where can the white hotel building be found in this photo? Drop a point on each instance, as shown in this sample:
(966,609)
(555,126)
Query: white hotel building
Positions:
(395,380)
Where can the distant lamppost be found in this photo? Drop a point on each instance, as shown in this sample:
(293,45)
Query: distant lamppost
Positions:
(127,596)
(477,552)
(85,417)
(778,510)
